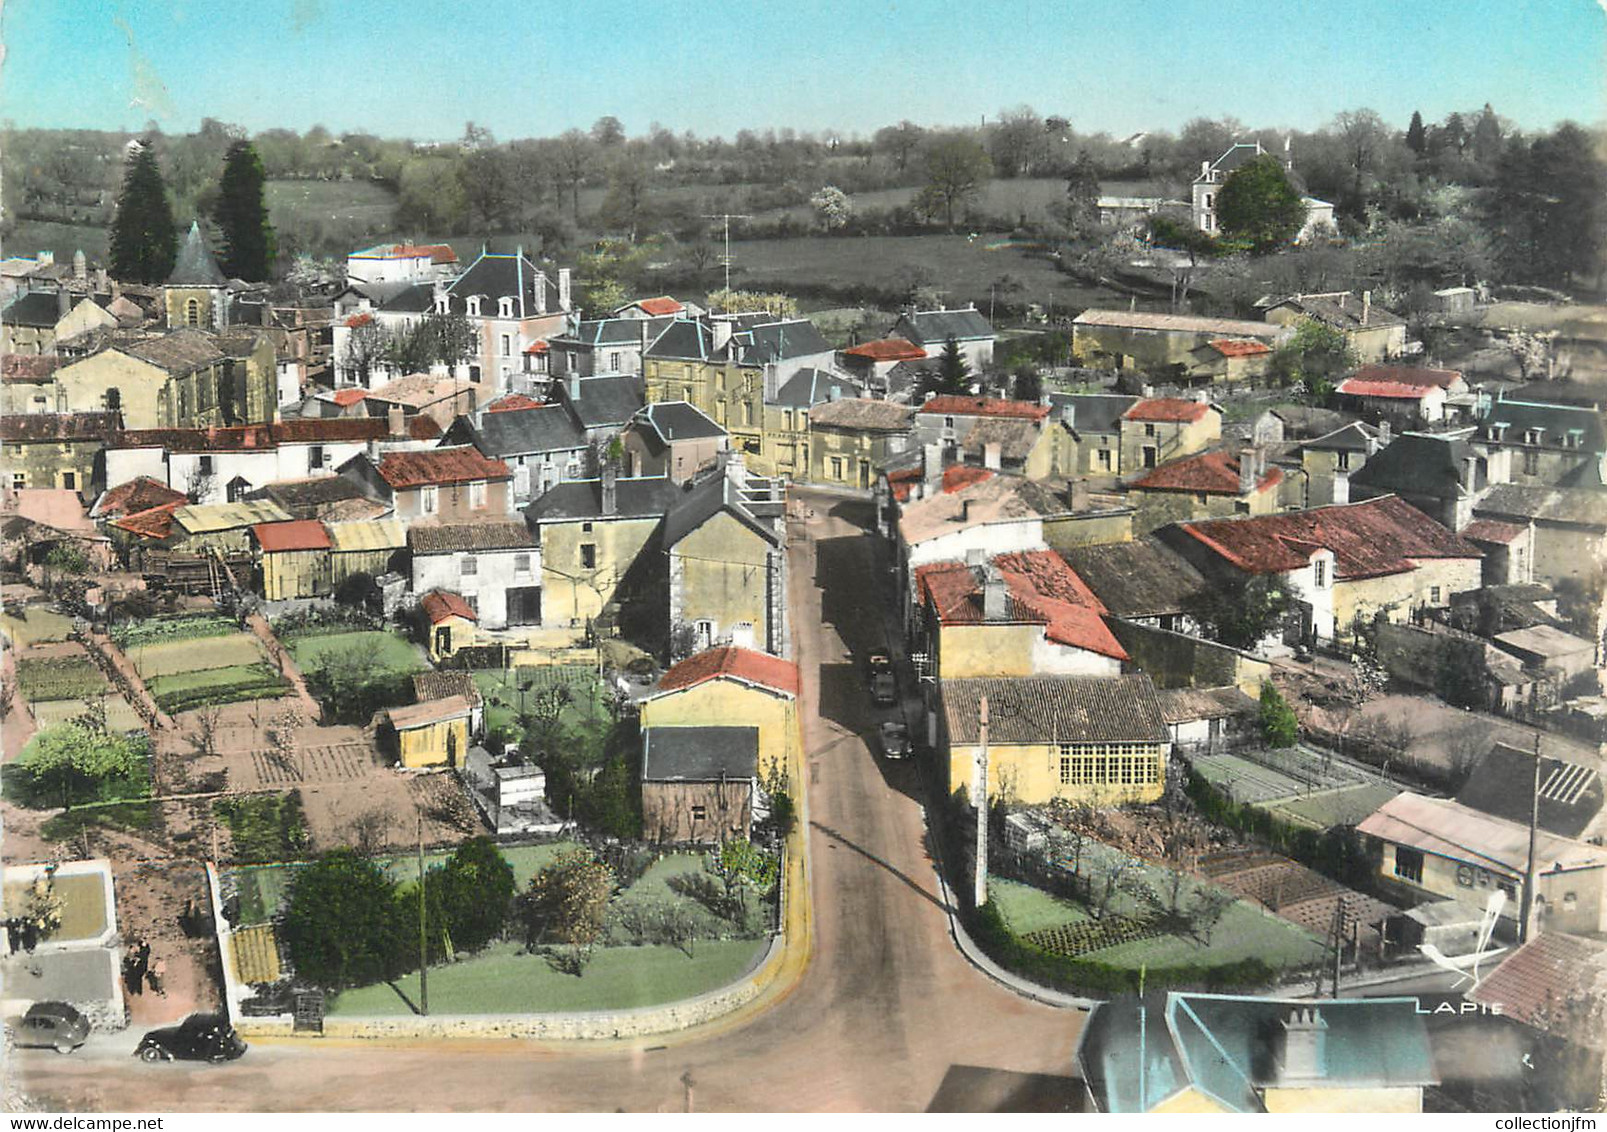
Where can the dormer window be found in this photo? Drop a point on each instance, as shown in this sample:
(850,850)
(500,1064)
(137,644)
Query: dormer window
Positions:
(443,303)
(473,302)
(1532,436)
(1496,429)
(505,307)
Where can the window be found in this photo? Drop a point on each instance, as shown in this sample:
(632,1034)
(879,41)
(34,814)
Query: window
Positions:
(472,601)
(192,313)
(505,310)
(1531,463)
(948,422)
(19,480)
(468,566)
(315,457)
(1344,461)
(1149,455)
(427,500)
(585,528)
(1201,498)
(1065,768)
(1434,594)
(613,360)
(700,813)
(477,494)
(473,302)
(521,563)
(1319,573)
(1241,506)
(588,556)
(1104,459)
(206,465)
(1464,876)
(1149,430)
(507,346)
(69,480)
(1408,864)
(836,467)
(747,414)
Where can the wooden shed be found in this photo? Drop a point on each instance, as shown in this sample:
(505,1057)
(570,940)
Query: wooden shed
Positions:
(295,559)
(369,547)
(453,624)
(435,733)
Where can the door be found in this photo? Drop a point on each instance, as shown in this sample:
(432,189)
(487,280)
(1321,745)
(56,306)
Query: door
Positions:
(524,605)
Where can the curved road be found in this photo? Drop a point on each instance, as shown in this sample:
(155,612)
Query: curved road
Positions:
(887,1016)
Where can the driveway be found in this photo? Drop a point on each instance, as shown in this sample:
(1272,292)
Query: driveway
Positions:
(888,1015)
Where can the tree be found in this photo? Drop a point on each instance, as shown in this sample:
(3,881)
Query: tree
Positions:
(956,169)
(1316,354)
(899,142)
(567,901)
(1487,137)
(572,160)
(471,894)
(1082,195)
(75,761)
(1017,142)
(832,205)
(1417,136)
(144,242)
(249,245)
(485,178)
(625,206)
(430,195)
(1364,135)
(1241,609)
(1547,210)
(365,350)
(344,925)
(608,131)
(744,302)
(1279,727)
(1181,235)
(351,682)
(1258,205)
(952,375)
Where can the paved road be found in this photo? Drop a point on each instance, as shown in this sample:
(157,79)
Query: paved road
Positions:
(888,1016)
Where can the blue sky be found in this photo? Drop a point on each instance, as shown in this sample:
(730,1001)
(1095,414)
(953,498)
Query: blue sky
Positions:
(421,68)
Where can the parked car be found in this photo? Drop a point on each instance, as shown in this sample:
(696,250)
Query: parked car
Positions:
(895,739)
(52,1025)
(883,684)
(200,1037)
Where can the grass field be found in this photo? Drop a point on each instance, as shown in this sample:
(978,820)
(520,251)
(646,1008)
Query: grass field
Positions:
(41,679)
(44,235)
(34,624)
(300,205)
(173,657)
(502,981)
(1026,909)
(1244,932)
(1339,807)
(83,904)
(184,691)
(392,651)
(119,716)
(500,688)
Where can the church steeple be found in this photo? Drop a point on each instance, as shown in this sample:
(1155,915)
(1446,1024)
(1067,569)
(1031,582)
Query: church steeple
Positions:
(196,293)
(196,265)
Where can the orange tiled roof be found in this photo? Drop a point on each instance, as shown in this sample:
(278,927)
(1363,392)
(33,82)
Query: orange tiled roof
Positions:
(1167,409)
(1394,390)
(661,306)
(512,401)
(138,494)
(464,464)
(951,405)
(293,534)
(441,604)
(1042,588)
(742,664)
(1215,473)
(887,350)
(153,523)
(1239,347)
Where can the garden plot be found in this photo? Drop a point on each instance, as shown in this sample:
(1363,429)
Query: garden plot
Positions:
(199,660)
(391,651)
(237,650)
(1301,785)
(119,715)
(34,624)
(68,677)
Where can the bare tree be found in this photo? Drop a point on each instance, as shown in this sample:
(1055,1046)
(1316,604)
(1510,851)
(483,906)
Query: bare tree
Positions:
(203,735)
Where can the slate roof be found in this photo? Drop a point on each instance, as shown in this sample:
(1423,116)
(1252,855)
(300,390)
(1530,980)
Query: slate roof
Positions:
(1368,539)
(195,266)
(139,494)
(862,414)
(1555,421)
(777,341)
(927,328)
(438,605)
(1582,507)
(604,401)
(1341,310)
(638,497)
(1215,472)
(294,534)
(448,538)
(1461,833)
(439,466)
(950,405)
(1042,589)
(1592,395)
(1354,437)
(669,421)
(604,332)
(887,350)
(699,754)
(1533,983)
(1502,782)
(736,663)
(811,386)
(32,308)
(685,339)
(716,493)
(1031,710)
(28,428)
(410,298)
(1142,578)
(1091,412)
(1135,1053)
(495,275)
(519,432)
(1420,463)
(1167,409)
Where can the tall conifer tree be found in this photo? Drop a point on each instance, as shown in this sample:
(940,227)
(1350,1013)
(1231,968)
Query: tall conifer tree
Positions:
(249,245)
(144,242)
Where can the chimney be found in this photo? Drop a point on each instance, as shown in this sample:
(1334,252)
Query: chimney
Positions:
(1247,473)
(721,328)
(932,468)
(1384,433)
(965,512)
(992,453)
(995,605)
(610,486)
(1205,167)
(541,292)
(1079,496)
(1146,392)
(1202,396)
(1341,486)
(103,282)
(1366,306)
(1470,472)
(642,326)
(574,388)
(80,265)
(1305,1045)
(976,557)
(1068,414)
(397,420)
(563,289)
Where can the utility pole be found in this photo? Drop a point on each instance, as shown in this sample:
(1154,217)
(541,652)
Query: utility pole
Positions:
(725,218)
(1339,941)
(1528,872)
(423,936)
(981,890)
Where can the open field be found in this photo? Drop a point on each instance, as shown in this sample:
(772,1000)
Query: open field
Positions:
(505,689)
(34,624)
(119,715)
(173,657)
(133,635)
(501,980)
(33,236)
(392,652)
(210,686)
(293,205)
(1346,806)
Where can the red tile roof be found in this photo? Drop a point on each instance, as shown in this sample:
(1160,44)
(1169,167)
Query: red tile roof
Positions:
(1488,530)
(438,253)
(361,318)
(950,405)
(464,464)
(1369,539)
(536,348)
(1533,984)
(294,534)
(138,494)
(295,430)
(29,367)
(887,350)
(1043,589)
(1394,390)
(955,478)
(153,523)
(1214,473)
(662,305)
(1410,375)
(512,401)
(1239,347)
(737,663)
(346,398)
(440,604)
(1167,409)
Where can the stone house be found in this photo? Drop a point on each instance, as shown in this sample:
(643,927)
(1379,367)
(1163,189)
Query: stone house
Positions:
(700,785)
(453,623)
(1374,333)
(785,449)
(433,733)
(736,686)
(1215,484)
(1094,422)
(671,438)
(853,438)
(454,484)
(871,363)
(441,399)
(1329,461)
(1545,445)
(1441,474)
(54,449)
(931,331)
(1570,526)
(602,405)
(1158,430)
(495,566)
(542,446)
(1162,344)
(601,346)
(394,263)
(181,379)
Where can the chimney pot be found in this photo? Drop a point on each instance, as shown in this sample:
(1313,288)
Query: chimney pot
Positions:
(563,289)
(992,455)
(574,388)
(396,419)
(995,605)
(610,486)
(932,468)
(1247,470)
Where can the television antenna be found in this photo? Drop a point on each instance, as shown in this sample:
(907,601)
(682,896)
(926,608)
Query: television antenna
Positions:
(725,219)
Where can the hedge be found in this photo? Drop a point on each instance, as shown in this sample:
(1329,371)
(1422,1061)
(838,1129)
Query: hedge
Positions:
(216,686)
(1337,852)
(58,678)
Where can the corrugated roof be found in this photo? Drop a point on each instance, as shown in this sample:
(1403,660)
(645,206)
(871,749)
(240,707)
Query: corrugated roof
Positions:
(204,518)
(294,534)
(747,665)
(1056,709)
(1452,830)
(375,534)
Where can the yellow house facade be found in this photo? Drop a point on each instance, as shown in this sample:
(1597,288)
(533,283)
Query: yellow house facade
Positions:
(180,380)
(435,733)
(752,690)
(725,541)
(1156,431)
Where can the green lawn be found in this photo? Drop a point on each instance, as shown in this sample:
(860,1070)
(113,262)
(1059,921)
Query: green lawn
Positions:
(392,651)
(502,981)
(1026,909)
(119,716)
(184,691)
(1244,932)
(500,688)
(33,624)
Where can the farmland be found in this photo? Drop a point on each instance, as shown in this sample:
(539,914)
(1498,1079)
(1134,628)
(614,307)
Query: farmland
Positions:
(119,715)
(391,652)
(34,624)
(198,660)
(58,678)
(173,657)
(184,691)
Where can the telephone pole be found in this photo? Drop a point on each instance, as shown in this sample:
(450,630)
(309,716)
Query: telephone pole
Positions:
(423,934)
(725,218)
(1528,872)
(980,894)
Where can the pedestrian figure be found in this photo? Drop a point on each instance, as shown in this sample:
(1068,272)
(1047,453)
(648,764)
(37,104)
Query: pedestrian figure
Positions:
(154,976)
(134,969)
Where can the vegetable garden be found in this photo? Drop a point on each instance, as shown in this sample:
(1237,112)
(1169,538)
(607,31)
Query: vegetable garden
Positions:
(199,660)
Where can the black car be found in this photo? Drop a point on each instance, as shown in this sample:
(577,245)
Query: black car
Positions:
(200,1037)
(50,1025)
